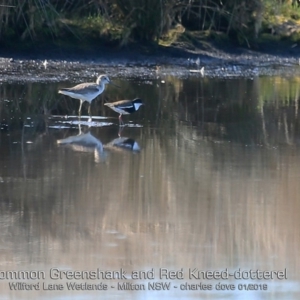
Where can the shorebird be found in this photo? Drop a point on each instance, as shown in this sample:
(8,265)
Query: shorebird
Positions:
(125,107)
(87,91)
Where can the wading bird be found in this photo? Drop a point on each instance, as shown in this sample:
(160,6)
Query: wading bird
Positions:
(87,91)
(125,107)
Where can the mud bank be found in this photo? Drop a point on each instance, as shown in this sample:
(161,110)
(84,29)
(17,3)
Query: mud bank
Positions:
(59,65)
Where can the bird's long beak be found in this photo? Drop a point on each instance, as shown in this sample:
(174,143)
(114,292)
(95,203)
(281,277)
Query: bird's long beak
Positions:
(114,84)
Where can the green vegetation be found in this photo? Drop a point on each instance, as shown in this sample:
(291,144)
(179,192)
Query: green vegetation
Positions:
(121,22)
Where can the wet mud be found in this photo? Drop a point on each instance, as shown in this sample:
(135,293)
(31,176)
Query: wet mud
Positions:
(57,66)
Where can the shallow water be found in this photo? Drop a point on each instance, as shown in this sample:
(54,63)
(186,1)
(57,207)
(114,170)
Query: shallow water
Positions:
(205,176)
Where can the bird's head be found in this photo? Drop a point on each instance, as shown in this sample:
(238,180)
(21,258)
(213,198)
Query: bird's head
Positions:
(103,79)
(137,102)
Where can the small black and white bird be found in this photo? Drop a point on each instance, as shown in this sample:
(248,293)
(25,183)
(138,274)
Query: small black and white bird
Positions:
(125,107)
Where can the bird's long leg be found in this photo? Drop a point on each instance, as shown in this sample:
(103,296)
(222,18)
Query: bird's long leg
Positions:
(90,104)
(120,130)
(79,111)
(121,123)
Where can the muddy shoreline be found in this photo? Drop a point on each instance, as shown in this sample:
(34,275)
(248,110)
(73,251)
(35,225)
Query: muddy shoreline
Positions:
(56,64)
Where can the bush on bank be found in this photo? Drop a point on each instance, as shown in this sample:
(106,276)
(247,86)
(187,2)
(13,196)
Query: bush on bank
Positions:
(123,21)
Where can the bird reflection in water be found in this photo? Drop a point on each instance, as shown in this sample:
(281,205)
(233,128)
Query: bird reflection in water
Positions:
(123,143)
(85,142)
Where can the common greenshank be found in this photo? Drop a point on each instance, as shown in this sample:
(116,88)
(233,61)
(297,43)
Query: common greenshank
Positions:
(87,91)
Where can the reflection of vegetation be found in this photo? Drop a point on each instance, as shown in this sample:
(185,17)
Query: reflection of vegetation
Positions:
(231,109)
(282,90)
(259,111)
(208,195)
(20,101)
(140,20)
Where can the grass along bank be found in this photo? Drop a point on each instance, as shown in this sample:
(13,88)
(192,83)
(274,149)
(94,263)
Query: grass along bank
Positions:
(83,23)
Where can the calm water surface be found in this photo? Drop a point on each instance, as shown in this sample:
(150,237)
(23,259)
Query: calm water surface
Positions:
(205,176)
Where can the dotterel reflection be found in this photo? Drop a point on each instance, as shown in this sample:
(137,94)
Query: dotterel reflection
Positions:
(123,143)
